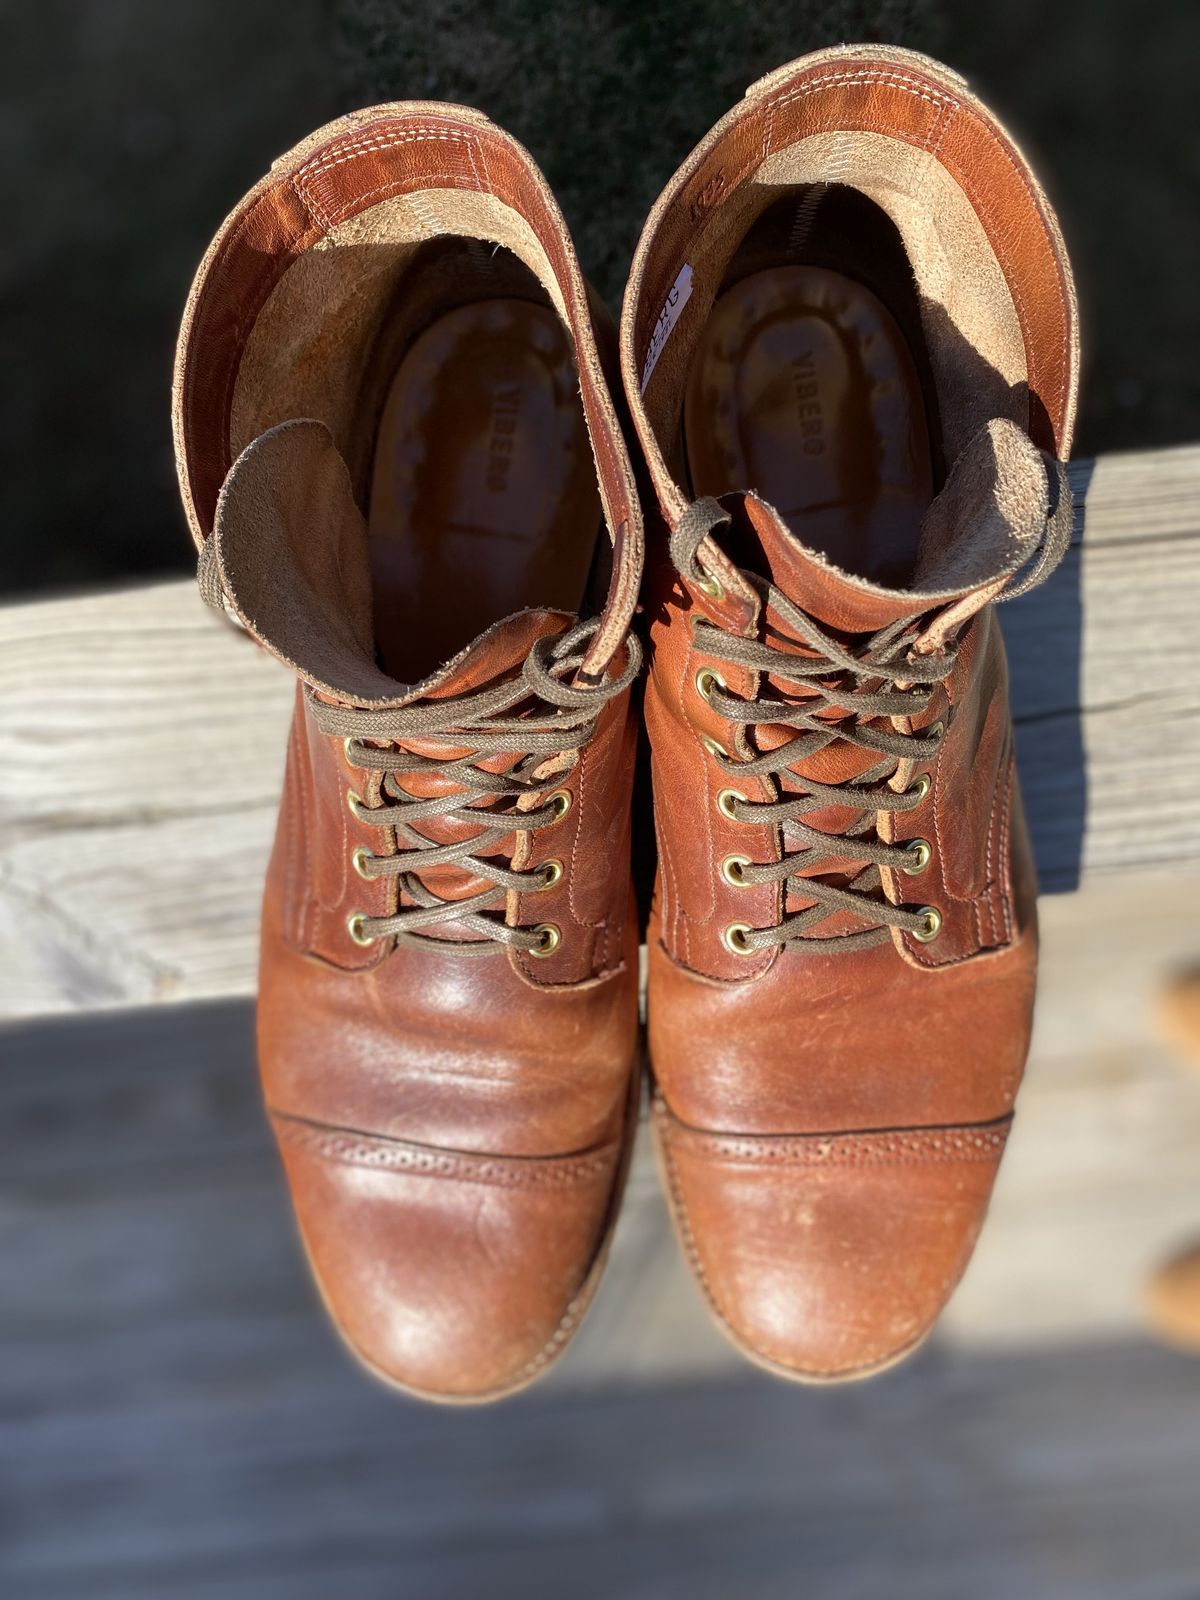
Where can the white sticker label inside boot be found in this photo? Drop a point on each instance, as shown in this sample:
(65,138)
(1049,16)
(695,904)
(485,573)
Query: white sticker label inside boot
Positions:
(679,296)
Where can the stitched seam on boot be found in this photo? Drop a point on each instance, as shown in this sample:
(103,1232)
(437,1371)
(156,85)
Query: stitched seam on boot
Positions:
(923,956)
(373,1150)
(953,1143)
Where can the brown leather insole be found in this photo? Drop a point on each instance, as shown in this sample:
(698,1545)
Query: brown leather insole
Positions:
(802,389)
(483,495)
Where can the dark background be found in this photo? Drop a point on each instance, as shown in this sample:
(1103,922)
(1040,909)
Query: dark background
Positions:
(131,127)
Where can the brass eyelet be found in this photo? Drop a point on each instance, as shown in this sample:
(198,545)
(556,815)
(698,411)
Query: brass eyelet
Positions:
(705,679)
(354,800)
(921,852)
(354,927)
(936,730)
(917,790)
(550,935)
(725,799)
(733,871)
(346,743)
(734,938)
(713,748)
(359,859)
(552,871)
(933,925)
(561,801)
(710,586)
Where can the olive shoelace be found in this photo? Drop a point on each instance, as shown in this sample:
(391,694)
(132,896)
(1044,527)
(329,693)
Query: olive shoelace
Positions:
(858,687)
(557,718)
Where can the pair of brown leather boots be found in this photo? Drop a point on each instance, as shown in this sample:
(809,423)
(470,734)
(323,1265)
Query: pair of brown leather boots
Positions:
(848,350)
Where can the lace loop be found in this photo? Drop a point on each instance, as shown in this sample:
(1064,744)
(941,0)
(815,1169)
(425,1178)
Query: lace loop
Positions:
(559,720)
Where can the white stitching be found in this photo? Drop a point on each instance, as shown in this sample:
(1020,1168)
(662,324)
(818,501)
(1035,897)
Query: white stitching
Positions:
(366,146)
(842,78)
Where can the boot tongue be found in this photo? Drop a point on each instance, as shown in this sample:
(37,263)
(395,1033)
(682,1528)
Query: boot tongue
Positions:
(290,546)
(985,523)
(499,650)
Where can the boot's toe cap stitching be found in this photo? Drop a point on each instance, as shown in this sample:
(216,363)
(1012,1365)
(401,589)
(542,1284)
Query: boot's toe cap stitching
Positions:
(983,1141)
(355,1148)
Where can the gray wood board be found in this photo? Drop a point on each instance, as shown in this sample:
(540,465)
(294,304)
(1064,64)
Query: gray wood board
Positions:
(178,1422)
(141,746)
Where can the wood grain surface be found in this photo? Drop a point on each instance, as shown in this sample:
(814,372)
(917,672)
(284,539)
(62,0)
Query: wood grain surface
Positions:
(141,748)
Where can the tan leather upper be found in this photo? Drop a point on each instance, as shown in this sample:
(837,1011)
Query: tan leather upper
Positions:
(831,1123)
(455,1127)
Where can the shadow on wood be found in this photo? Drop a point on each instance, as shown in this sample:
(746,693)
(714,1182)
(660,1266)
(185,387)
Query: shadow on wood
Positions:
(1045,641)
(177,1421)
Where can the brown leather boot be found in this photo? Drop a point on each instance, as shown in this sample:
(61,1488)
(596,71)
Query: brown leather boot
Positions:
(849,345)
(398,455)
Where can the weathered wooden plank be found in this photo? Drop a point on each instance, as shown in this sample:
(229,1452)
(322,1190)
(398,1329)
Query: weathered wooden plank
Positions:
(1105,666)
(141,748)
(177,1420)
(138,1183)
(1065,1476)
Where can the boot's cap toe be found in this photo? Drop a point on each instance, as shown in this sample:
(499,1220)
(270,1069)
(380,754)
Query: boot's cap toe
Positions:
(828,1257)
(453,1275)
